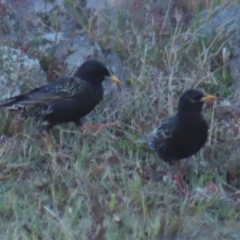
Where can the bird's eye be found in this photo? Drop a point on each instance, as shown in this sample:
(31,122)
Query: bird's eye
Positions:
(196,98)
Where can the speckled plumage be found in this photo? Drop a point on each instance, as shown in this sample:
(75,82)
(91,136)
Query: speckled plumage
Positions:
(64,100)
(183,134)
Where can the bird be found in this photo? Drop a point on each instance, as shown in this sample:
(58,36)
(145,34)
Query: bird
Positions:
(183,134)
(63,100)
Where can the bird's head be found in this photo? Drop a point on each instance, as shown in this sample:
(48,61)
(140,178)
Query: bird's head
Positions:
(95,72)
(192,100)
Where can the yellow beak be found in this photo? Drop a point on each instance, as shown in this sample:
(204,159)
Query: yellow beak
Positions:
(115,79)
(208,98)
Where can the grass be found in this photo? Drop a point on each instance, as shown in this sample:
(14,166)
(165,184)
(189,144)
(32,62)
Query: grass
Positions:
(106,186)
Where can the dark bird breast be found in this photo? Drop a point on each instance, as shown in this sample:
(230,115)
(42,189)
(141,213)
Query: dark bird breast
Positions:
(187,139)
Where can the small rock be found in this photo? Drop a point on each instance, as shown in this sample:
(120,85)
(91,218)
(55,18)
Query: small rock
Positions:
(222,21)
(221,25)
(19,72)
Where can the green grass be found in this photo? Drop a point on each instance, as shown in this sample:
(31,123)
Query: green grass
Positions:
(106,185)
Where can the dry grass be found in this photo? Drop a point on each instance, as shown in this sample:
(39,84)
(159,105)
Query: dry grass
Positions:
(106,186)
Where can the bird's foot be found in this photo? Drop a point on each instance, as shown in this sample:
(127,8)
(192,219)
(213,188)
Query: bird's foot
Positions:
(98,127)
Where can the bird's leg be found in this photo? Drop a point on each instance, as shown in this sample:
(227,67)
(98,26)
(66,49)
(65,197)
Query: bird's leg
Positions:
(99,127)
(47,138)
(78,124)
(179,180)
(180,171)
(17,125)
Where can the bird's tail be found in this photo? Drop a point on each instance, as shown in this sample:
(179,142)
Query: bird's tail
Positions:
(142,140)
(21,99)
(8,102)
(147,141)
(33,97)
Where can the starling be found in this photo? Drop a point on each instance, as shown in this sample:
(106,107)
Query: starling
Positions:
(66,99)
(183,134)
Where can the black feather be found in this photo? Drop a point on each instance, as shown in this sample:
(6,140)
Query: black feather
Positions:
(183,134)
(64,100)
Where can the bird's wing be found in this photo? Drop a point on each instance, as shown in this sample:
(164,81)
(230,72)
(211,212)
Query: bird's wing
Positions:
(64,89)
(161,134)
(165,130)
